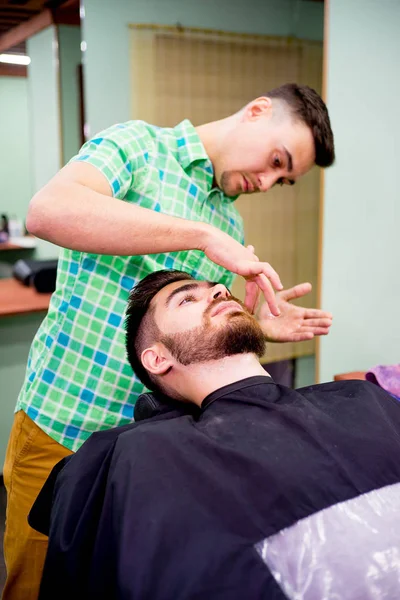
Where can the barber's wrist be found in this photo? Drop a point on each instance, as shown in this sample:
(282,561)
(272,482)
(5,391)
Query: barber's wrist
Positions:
(203,235)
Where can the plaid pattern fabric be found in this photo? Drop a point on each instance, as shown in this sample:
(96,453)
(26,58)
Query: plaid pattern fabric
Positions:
(78,379)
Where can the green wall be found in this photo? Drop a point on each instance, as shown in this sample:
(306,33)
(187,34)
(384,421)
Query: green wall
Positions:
(44,113)
(361,257)
(44,100)
(305,371)
(69,40)
(15,159)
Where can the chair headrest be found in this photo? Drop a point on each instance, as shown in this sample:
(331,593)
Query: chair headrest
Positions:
(152,404)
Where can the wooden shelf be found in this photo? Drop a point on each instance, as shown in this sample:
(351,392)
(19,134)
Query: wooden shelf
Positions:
(8,246)
(352,375)
(27,242)
(17,299)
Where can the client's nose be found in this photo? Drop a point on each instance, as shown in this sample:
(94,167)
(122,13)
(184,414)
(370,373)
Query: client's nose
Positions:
(218,291)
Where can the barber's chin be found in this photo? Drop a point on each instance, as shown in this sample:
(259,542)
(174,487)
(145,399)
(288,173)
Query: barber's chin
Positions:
(231,188)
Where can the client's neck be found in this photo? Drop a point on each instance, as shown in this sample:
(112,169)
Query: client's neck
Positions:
(198,380)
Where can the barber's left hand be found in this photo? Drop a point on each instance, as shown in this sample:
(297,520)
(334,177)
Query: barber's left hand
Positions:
(295,324)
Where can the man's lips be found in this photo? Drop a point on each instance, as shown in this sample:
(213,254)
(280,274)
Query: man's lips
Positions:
(222,306)
(248,187)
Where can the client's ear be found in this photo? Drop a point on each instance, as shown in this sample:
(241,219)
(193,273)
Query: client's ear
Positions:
(156,359)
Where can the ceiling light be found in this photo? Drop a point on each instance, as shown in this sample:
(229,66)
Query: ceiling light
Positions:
(15,59)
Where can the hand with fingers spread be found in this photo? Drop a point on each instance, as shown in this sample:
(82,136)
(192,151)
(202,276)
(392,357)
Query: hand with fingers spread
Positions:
(295,324)
(222,249)
(252,294)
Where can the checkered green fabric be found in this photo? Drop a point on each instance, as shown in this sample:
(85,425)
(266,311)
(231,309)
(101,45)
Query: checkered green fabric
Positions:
(78,379)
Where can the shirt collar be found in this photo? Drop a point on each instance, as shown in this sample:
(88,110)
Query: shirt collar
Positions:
(190,147)
(191,150)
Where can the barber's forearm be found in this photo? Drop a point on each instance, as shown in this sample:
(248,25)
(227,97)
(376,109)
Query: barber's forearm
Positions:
(92,222)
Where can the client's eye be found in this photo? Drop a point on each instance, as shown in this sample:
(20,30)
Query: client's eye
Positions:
(188,298)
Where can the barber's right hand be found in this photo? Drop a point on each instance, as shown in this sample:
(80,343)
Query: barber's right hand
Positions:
(222,249)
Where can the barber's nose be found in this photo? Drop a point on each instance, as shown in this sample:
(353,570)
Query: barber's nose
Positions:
(266,184)
(267,181)
(218,291)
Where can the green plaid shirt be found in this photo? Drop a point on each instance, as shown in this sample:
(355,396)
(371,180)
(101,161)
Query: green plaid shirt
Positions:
(78,378)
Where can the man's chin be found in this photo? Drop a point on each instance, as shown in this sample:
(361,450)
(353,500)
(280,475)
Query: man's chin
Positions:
(241,314)
(230,193)
(229,316)
(230,190)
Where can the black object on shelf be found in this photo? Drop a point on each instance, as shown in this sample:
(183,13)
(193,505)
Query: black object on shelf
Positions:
(40,274)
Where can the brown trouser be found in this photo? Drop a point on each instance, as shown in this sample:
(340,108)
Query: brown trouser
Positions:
(31,455)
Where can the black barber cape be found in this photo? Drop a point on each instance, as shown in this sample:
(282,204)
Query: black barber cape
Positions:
(268,492)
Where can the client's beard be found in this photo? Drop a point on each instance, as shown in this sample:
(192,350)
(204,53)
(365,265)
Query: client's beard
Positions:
(239,334)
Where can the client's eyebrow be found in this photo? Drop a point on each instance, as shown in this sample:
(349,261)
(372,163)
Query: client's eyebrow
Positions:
(186,287)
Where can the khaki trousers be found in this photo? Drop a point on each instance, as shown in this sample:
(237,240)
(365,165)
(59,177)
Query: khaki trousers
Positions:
(31,455)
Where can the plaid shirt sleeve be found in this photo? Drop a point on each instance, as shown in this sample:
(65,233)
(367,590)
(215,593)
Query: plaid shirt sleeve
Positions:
(117,152)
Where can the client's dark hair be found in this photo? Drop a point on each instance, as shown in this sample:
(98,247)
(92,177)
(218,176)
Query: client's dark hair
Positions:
(308,107)
(140,327)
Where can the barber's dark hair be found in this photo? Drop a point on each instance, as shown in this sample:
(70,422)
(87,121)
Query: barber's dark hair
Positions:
(139,321)
(309,108)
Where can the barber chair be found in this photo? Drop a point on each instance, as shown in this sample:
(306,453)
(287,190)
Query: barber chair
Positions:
(151,404)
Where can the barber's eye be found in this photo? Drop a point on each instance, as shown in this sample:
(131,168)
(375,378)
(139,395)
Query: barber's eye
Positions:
(188,298)
(277,161)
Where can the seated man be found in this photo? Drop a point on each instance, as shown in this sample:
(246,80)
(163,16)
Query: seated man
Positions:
(251,491)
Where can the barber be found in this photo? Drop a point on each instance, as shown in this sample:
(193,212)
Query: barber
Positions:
(136,199)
